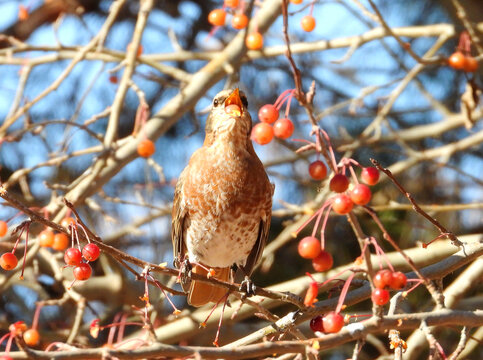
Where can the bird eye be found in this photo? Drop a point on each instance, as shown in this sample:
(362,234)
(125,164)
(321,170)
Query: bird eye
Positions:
(216,102)
(244,101)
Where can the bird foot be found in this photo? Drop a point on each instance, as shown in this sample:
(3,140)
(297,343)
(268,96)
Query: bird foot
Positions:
(247,286)
(184,276)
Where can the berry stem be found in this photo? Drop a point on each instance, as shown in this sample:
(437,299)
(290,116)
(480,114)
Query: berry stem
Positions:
(322,230)
(331,149)
(280,98)
(26,228)
(354,176)
(287,107)
(35,321)
(343,293)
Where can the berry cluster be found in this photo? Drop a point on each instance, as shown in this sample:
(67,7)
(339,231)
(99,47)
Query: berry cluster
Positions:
(460,61)
(330,323)
(359,194)
(383,279)
(264,131)
(239,21)
(74,257)
(310,248)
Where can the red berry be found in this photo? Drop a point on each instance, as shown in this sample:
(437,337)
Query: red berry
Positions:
(3,228)
(457,61)
(46,238)
(217,17)
(471,64)
(268,114)
(323,261)
(72,256)
(61,242)
(332,322)
(262,133)
(342,204)
(82,271)
(398,280)
(254,41)
(380,296)
(31,337)
(8,261)
(317,170)
(113,79)
(67,221)
(231,3)
(239,21)
(360,194)
(316,324)
(308,23)
(339,183)
(283,128)
(370,175)
(5,357)
(91,252)
(382,278)
(146,148)
(309,247)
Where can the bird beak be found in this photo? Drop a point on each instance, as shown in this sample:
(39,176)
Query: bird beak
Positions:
(234,99)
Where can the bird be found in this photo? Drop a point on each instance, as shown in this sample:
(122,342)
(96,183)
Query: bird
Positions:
(222,203)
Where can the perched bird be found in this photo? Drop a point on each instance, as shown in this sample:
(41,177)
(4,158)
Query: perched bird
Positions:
(223,201)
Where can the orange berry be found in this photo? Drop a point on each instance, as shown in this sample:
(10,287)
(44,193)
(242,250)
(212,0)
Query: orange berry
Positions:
(217,17)
(268,113)
(31,337)
(262,133)
(342,204)
(239,21)
(3,228)
(309,247)
(146,148)
(296,2)
(283,128)
(254,41)
(23,13)
(46,238)
(8,261)
(308,23)
(231,3)
(471,64)
(61,242)
(323,261)
(67,221)
(457,60)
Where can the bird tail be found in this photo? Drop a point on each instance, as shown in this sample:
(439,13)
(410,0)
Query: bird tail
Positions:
(202,293)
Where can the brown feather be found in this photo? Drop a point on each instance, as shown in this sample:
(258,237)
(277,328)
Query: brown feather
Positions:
(202,293)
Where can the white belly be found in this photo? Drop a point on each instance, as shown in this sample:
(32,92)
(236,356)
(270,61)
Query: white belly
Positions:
(229,243)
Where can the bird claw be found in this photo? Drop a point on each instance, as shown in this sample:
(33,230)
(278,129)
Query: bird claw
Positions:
(247,286)
(185,275)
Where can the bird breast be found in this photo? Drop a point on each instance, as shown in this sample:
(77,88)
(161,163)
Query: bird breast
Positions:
(226,196)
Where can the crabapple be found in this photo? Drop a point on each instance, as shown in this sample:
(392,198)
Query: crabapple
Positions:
(309,247)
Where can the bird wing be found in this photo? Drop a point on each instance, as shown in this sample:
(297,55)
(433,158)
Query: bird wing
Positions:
(179,216)
(257,251)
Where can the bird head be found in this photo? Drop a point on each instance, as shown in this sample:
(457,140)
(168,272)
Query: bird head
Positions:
(229,115)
